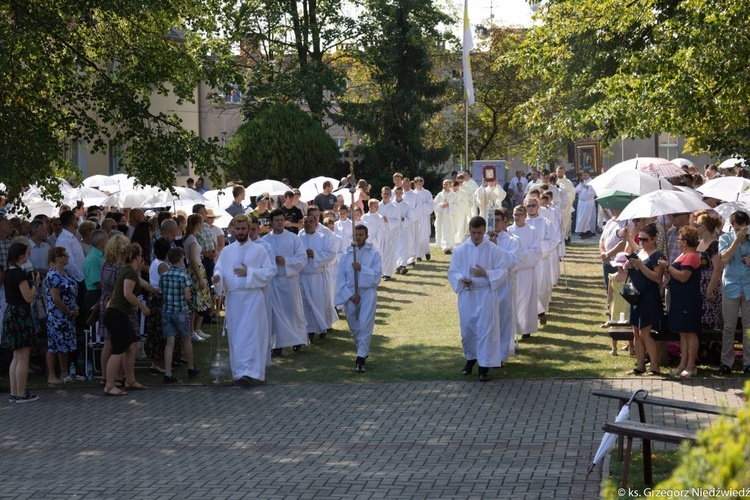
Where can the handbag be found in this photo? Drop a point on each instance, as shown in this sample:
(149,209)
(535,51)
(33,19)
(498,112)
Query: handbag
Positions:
(630,293)
(93,316)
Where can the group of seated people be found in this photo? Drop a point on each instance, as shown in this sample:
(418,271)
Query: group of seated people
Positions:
(690,277)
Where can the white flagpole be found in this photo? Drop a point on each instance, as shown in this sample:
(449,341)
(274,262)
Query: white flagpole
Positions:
(468,44)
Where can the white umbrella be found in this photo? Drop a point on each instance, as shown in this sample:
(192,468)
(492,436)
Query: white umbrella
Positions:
(662,203)
(658,167)
(729,163)
(608,440)
(88,195)
(725,188)
(125,181)
(101,182)
(308,190)
(129,199)
(690,190)
(272,187)
(39,206)
(163,198)
(682,162)
(220,197)
(725,211)
(628,181)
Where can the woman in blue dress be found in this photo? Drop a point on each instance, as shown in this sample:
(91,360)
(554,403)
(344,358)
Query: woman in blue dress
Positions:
(646,275)
(62,310)
(685,299)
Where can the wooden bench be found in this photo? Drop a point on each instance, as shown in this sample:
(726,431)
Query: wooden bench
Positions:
(648,432)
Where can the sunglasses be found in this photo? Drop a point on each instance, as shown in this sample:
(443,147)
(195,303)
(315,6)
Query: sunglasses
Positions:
(532,206)
(646,239)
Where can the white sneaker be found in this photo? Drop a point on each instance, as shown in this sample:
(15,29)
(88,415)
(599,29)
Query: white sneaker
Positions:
(197,338)
(203,334)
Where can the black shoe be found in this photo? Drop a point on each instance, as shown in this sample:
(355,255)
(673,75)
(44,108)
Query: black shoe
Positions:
(322,335)
(179,361)
(543,319)
(245,380)
(567,241)
(404,270)
(526,336)
(427,256)
(193,372)
(359,365)
(413,265)
(169,379)
(419,259)
(448,251)
(484,374)
(311,336)
(275,353)
(468,367)
(297,348)
(724,370)
(386,278)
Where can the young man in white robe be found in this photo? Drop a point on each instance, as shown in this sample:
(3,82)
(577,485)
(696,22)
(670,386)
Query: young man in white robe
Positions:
(567,216)
(410,197)
(425,207)
(343,226)
(586,212)
(476,271)
(254,226)
(510,248)
(392,223)
(339,246)
(315,282)
(288,325)
(526,286)
(548,248)
(459,215)
(402,236)
(359,304)
(243,270)
(445,205)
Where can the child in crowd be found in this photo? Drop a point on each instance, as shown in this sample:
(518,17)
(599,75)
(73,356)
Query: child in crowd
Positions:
(618,307)
(175,285)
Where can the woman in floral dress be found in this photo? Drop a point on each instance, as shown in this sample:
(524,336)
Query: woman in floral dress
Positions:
(62,291)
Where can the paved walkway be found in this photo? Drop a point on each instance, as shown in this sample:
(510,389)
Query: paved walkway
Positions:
(501,439)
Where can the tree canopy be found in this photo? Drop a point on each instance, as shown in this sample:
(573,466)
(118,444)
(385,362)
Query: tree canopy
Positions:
(75,70)
(616,68)
(281,141)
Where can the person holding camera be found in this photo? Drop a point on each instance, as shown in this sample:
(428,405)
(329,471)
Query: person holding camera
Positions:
(61,296)
(734,249)
(646,276)
(19,334)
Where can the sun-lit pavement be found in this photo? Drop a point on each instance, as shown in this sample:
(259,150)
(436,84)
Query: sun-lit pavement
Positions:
(502,439)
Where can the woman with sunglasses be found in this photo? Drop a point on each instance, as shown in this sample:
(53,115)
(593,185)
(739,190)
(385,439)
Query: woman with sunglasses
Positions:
(646,275)
(62,291)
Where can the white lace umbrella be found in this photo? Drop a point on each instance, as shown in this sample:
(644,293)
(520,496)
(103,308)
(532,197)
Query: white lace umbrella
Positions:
(729,163)
(164,198)
(725,188)
(658,167)
(682,162)
(220,197)
(88,195)
(102,182)
(662,203)
(125,181)
(629,181)
(308,190)
(270,186)
(129,199)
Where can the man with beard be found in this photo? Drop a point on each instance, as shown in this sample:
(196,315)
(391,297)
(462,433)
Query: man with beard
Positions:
(241,273)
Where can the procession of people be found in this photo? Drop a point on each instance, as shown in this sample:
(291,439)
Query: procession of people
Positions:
(285,270)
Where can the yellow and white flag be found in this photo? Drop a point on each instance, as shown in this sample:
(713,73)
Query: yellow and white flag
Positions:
(468,45)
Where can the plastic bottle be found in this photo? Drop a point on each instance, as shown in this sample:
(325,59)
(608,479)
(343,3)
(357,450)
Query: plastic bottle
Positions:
(72,369)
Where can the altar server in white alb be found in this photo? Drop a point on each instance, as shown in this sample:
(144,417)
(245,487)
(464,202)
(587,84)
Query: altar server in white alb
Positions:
(526,285)
(359,304)
(315,282)
(243,270)
(402,236)
(391,228)
(586,210)
(476,271)
(548,248)
(445,205)
(374,222)
(288,325)
(424,208)
(510,247)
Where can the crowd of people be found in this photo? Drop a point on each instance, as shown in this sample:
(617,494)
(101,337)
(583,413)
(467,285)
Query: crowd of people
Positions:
(288,268)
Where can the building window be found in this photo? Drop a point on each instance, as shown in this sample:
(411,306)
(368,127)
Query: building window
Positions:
(668,147)
(116,163)
(340,143)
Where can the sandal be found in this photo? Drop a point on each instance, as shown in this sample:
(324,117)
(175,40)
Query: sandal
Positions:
(54,381)
(115,392)
(136,387)
(636,371)
(652,373)
(688,373)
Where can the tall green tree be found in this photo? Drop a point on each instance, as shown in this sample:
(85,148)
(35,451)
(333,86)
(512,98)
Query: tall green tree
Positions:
(87,71)
(614,68)
(290,47)
(281,141)
(404,92)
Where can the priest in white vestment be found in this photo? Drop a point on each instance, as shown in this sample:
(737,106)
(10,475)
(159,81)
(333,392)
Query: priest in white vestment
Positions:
(288,326)
(586,212)
(526,286)
(476,271)
(243,270)
(315,282)
(489,195)
(570,191)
